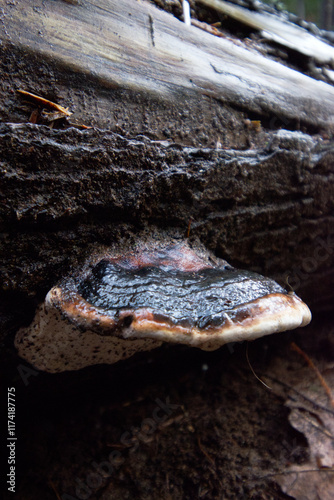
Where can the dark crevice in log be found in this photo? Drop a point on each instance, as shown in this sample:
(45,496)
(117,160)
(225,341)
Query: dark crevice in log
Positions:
(277,121)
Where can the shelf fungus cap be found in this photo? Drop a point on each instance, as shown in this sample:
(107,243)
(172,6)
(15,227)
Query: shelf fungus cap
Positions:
(122,303)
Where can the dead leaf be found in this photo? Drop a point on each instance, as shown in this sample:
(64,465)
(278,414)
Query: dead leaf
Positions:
(313,416)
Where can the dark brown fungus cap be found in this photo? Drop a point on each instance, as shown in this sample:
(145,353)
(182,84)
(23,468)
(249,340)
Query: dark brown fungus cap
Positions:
(123,303)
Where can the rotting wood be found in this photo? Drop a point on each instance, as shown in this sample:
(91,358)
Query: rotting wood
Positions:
(268,209)
(96,39)
(259,198)
(277,30)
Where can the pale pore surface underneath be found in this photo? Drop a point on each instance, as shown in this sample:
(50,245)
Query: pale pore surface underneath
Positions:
(54,344)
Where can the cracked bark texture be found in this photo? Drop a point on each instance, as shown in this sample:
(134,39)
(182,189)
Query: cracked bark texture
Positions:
(65,192)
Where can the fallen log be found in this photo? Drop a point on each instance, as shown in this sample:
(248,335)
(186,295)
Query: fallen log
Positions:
(258,196)
(143,125)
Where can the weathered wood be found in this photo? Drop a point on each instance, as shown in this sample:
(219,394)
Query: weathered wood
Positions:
(133,46)
(278,30)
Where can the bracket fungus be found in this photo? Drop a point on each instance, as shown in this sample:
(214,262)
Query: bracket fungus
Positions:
(123,302)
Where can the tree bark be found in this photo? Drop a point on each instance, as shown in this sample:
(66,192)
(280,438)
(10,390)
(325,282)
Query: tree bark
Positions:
(258,196)
(65,192)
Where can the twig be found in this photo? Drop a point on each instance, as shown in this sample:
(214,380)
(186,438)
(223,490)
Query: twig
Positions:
(316,370)
(286,472)
(54,489)
(45,102)
(186,12)
(204,451)
(253,372)
(298,393)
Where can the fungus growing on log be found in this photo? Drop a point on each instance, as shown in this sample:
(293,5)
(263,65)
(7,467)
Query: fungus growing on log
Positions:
(122,303)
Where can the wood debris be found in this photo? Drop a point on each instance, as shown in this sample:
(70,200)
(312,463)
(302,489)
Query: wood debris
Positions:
(45,103)
(48,112)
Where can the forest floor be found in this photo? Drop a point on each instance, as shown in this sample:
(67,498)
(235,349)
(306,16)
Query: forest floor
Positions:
(179,423)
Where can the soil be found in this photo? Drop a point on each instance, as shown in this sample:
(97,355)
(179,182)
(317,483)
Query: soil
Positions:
(176,423)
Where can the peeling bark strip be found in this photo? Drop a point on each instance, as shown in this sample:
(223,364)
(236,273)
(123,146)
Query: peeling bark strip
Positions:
(39,101)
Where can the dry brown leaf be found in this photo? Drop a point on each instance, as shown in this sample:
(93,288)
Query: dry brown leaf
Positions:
(315,479)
